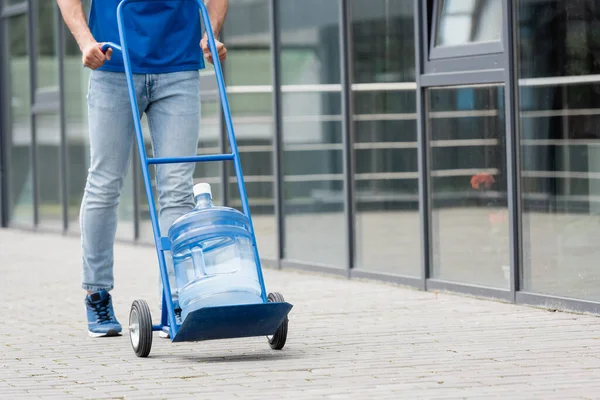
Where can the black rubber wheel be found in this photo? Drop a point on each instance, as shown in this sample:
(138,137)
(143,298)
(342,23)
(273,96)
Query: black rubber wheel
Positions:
(140,328)
(277,341)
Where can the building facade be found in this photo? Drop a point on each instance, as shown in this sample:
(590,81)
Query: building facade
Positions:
(440,144)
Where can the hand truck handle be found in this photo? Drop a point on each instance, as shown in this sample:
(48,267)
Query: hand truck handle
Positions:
(110,45)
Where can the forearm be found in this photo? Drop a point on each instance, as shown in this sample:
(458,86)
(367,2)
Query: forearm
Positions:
(74,17)
(217,11)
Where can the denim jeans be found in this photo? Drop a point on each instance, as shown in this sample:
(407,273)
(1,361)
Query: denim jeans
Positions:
(171,103)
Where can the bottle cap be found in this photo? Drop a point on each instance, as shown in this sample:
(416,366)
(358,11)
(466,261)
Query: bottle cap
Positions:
(202,188)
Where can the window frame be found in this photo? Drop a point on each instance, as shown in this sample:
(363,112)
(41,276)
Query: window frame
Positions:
(477,56)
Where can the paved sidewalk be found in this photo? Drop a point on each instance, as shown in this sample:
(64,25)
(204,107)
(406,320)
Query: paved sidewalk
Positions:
(348,340)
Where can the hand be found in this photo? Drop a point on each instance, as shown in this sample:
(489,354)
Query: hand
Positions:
(93,57)
(206,50)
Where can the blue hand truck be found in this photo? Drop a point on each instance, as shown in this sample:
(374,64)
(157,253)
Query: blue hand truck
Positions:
(269,318)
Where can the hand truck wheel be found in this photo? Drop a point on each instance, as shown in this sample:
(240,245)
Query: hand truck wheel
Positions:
(140,328)
(277,341)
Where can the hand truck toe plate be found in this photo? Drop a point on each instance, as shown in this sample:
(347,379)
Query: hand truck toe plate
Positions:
(228,322)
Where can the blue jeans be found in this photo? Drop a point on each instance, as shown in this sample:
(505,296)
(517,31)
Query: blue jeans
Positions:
(172,105)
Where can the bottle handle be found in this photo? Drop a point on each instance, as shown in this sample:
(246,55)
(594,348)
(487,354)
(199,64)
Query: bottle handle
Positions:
(198,261)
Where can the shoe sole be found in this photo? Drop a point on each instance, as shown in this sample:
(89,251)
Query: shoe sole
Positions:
(164,335)
(111,332)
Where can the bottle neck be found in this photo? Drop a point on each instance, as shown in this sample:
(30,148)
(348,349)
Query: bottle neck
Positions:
(203,201)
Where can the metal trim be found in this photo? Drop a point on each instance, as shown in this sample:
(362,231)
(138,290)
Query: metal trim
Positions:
(463,78)
(472,290)
(383,86)
(436,7)
(318,88)
(32,23)
(422,26)
(14,10)
(321,88)
(422,166)
(4,153)
(277,130)
(512,151)
(64,154)
(557,303)
(402,280)
(345,32)
(556,80)
(464,64)
(314,267)
(466,50)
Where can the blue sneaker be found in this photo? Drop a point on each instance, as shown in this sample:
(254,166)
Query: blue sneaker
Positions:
(100,315)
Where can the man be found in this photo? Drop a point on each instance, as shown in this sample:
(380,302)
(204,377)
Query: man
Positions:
(166,52)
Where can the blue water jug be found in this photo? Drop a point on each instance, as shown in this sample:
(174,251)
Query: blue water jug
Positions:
(213,256)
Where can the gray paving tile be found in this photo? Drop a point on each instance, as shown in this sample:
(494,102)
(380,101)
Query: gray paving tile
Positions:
(348,340)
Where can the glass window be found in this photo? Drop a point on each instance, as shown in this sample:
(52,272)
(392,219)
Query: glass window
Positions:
(560,146)
(21,174)
(46,30)
(385,149)
(48,126)
(75,91)
(468,185)
(312,135)
(463,22)
(249,80)
(48,170)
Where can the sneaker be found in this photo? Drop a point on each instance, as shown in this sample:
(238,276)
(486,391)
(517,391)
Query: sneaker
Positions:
(164,334)
(100,315)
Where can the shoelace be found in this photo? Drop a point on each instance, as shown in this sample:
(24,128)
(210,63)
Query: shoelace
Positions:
(101,310)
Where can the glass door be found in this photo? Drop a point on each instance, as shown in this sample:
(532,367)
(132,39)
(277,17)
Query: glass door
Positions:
(466,137)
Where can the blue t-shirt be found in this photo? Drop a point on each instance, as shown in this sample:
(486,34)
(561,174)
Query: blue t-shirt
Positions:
(162,36)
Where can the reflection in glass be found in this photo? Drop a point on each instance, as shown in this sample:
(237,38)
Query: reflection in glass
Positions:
(247,37)
(385,149)
(468,181)
(469,21)
(21,179)
(48,126)
(310,42)
(48,164)
(312,137)
(560,147)
(75,92)
(47,60)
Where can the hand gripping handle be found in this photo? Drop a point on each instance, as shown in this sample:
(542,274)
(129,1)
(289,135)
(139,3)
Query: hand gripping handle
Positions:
(109,45)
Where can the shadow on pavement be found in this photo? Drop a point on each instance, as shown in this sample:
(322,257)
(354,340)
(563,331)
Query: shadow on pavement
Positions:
(264,356)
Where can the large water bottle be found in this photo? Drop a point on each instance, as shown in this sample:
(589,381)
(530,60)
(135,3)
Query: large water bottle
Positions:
(213,256)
